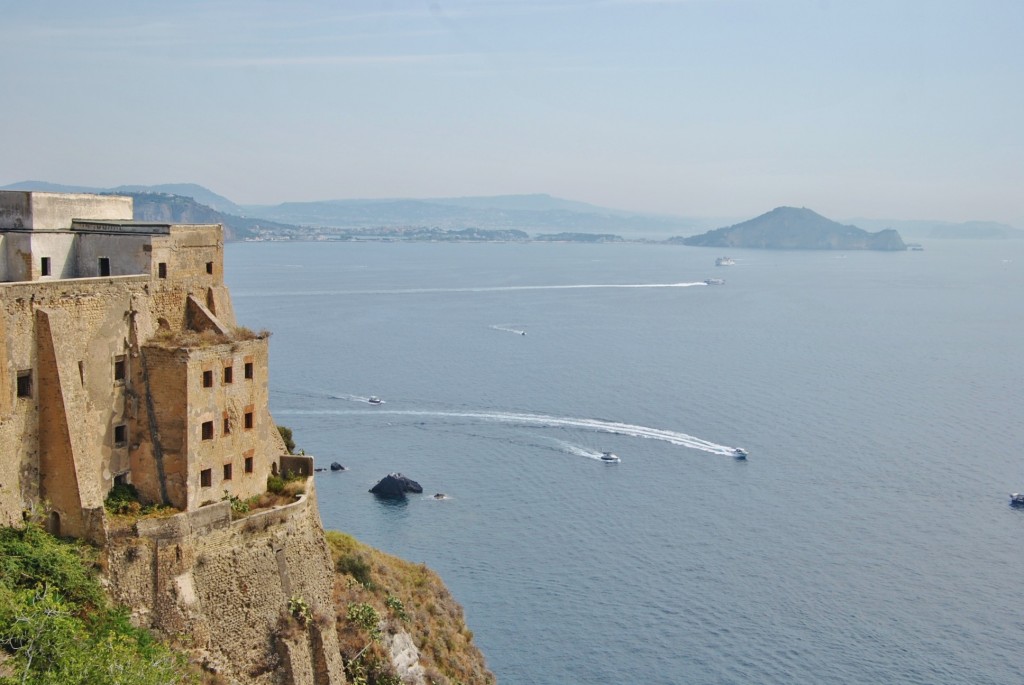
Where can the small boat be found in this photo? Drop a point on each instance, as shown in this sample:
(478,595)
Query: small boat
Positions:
(725,261)
(714,281)
(1016,499)
(739,453)
(609,458)
(375,400)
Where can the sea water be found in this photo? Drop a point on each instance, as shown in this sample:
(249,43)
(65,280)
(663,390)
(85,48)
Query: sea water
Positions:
(867,538)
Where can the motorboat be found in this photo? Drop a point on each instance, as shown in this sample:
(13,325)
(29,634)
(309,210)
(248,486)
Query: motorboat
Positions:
(609,458)
(1016,499)
(725,261)
(375,400)
(739,453)
(714,281)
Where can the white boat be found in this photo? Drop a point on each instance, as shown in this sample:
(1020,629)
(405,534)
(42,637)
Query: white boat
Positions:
(739,453)
(1016,499)
(714,281)
(609,458)
(375,400)
(725,261)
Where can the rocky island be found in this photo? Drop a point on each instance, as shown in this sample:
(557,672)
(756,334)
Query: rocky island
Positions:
(792,228)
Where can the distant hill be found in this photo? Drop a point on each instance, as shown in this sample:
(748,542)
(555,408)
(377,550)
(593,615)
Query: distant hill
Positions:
(198,193)
(792,228)
(945,230)
(167,208)
(530,213)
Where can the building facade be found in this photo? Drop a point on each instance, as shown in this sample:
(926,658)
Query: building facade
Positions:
(125,364)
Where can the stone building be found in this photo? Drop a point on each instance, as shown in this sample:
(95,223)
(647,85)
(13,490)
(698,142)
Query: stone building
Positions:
(124,364)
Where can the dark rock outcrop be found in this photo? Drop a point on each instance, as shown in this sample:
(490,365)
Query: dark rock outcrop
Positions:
(790,228)
(395,485)
(335,466)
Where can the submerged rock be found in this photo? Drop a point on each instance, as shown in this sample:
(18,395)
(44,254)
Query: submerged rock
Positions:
(395,485)
(335,466)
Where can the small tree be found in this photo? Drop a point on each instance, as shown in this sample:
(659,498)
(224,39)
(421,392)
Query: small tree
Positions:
(286,435)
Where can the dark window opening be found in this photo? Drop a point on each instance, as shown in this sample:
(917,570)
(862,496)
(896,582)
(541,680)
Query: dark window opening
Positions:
(229,374)
(248,464)
(53,524)
(161,269)
(248,370)
(248,420)
(207,379)
(104,266)
(24,384)
(206,478)
(227,471)
(120,435)
(207,430)
(44,266)
(209,267)
(119,368)
(227,426)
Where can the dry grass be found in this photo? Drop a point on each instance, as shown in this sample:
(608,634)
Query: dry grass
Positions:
(199,339)
(395,587)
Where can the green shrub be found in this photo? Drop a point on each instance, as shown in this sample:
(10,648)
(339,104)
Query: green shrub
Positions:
(356,566)
(123,499)
(286,435)
(275,484)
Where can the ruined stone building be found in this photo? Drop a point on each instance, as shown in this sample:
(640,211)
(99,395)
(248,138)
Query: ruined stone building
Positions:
(125,364)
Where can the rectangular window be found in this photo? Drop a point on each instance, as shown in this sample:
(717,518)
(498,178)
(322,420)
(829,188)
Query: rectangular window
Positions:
(119,368)
(120,435)
(206,478)
(227,471)
(25,383)
(104,266)
(248,464)
(248,371)
(209,267)
(248,420)
(227,426)
(207,430)
(44,266)
(229,374)
(207,379)
(161,269)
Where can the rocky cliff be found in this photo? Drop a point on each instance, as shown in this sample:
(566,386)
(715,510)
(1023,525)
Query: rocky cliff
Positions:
(791,228)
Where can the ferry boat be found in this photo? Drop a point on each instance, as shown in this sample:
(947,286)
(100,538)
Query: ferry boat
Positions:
(609,458)
(725,261)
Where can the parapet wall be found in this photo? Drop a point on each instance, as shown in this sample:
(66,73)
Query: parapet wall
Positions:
(222,588)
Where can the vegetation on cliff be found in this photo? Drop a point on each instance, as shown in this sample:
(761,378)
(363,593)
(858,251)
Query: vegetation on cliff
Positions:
(57,626)
(376,596)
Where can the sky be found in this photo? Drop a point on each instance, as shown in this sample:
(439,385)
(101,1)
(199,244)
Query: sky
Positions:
(884,109)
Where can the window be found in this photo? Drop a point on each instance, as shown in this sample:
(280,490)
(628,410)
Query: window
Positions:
(120,435)
(229,374)
(227,471)
(248,371)
(209,267)
(25,383)
(207,379)
(44,266)
(248,464)
(119,368)
(248,420)
(205,478)
(227,425)
(104,266)
(207,430)
(161,269)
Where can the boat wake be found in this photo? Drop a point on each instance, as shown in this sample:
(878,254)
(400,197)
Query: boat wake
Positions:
(482,289)
(546,421)
(507,328)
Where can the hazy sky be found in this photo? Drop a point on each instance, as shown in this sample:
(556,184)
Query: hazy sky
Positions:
(881,109)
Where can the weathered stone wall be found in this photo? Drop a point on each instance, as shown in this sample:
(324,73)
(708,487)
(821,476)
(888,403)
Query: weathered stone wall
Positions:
(223,587)
(47,211)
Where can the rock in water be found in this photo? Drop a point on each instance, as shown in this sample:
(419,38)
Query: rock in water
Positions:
(395,485)
(335,466)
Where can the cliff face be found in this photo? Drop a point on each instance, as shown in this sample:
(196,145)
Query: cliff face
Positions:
(790,228)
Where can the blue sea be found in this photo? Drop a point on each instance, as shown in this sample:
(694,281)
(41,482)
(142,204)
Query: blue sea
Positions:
(867,539)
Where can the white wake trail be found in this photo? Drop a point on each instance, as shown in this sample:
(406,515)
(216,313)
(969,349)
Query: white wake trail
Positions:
(545,420)
(482,289)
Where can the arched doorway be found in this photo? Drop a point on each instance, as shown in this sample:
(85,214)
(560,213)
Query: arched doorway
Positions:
(53,524)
